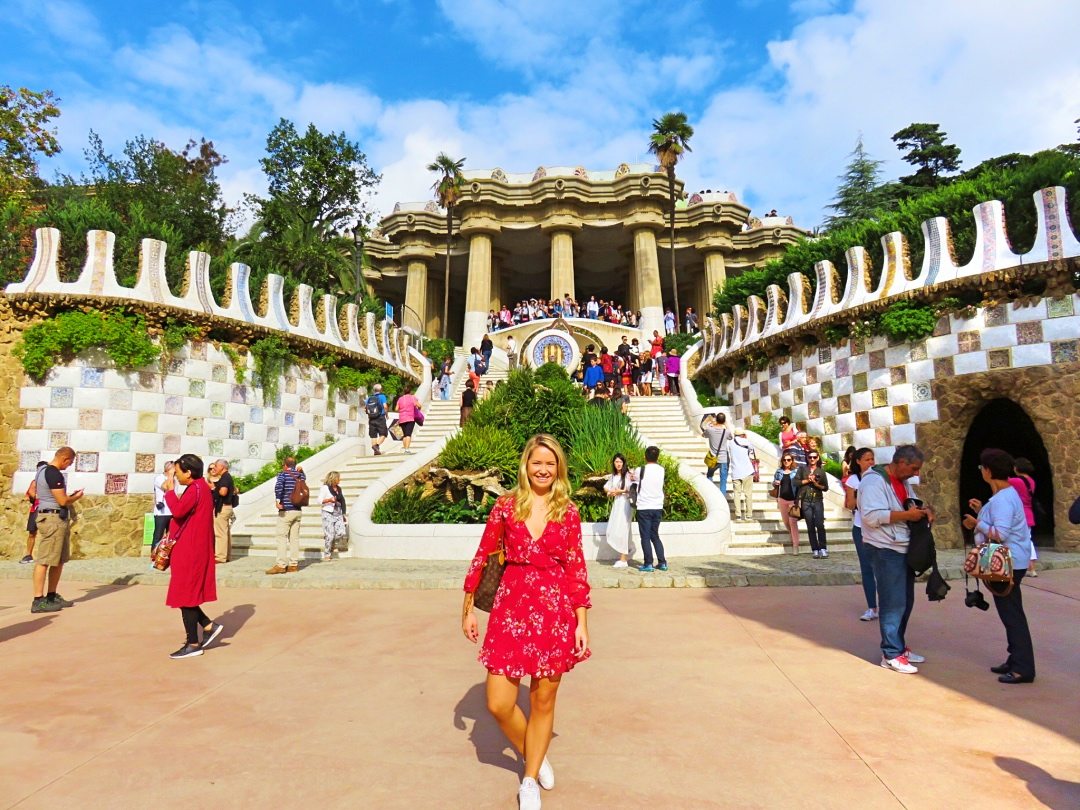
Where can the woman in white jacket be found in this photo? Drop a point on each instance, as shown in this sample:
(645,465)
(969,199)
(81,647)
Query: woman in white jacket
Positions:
(617,488)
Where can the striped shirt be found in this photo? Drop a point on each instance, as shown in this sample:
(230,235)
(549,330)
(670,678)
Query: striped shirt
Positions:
(283,488)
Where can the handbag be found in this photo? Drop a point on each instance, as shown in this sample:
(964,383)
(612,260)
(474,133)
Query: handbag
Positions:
(795,510)
(419,417)
(490,579)
(634,488)
(774,492)
(396,432)
(710,460)
(162,555)
(992,563)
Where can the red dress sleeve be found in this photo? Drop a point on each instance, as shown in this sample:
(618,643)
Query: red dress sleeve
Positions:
(489,542)
(577,575)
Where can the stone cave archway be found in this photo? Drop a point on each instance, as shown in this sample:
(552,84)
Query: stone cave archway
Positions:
(1004,424)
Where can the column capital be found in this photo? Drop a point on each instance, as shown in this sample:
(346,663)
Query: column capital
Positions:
(644,220)
(479,226)
(416,253)
(560,224)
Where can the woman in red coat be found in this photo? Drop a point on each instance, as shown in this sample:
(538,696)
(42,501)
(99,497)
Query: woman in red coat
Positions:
(537,625)
(192,560)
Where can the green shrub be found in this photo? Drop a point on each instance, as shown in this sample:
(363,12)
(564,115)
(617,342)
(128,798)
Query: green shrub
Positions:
(905,321)
(484,447)
(270,470)
(122,337)
(600,433)
(767,426)
(271,354)
(404,505)
(680,342)
(681,501)
(438,349)
(706,394)
(524,407)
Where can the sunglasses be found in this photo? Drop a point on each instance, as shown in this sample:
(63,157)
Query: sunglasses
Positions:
(787,458)
(815,455)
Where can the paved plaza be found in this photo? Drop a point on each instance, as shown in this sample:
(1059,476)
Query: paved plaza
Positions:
(720,697)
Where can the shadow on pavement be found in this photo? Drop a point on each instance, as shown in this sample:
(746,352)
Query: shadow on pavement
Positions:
(118,584)
(960,643)
(24,628)
(233,620)
(492,747)
(1055,793)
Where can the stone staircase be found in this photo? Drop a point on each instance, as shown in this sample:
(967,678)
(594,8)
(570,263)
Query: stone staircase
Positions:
(662,420)
(440,420)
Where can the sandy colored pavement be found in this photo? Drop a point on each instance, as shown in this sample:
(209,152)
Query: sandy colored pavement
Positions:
(711,698)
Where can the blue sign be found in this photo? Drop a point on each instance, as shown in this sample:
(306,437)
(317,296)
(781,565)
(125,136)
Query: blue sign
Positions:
(389,311)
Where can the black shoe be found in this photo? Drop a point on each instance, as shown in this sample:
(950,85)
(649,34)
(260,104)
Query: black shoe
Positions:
(187,651)
(58,599)
(1014,678)
(26,560)
(43,605)
(211,633)
(1002,669)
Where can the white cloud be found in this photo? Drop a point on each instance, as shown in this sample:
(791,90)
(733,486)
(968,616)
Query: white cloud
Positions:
(69,25)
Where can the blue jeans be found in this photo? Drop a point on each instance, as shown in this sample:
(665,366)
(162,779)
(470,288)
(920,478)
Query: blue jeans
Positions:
(896,597)
(648,522)
(444,391)
(868,585)
(722,466)
(813,513)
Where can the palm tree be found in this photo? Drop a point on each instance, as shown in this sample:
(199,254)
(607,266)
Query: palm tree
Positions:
(447,190)
(670,138)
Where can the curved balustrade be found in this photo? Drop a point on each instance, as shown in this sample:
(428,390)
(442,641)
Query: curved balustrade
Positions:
(802,304)
(98,280)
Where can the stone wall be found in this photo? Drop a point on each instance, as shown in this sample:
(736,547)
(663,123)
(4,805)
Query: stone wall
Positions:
(1051,397)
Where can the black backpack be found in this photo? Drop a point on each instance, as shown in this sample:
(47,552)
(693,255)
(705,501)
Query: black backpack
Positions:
(374,407)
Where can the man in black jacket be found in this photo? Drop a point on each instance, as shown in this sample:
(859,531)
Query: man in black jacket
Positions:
(225,500)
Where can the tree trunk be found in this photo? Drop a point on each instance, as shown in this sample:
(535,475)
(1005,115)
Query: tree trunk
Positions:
(446,274)
(674,282)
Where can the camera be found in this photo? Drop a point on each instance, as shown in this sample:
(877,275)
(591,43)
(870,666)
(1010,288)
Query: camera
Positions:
(913,503)
(977,600)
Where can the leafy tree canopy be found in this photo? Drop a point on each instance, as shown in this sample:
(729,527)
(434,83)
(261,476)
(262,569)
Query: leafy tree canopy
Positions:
(24,136)
(929,152)
(859,194)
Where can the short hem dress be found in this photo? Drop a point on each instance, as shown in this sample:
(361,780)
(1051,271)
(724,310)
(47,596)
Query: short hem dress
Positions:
(533,621)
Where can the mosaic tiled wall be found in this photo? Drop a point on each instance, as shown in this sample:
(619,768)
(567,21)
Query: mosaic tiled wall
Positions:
(126,425)
(873,393)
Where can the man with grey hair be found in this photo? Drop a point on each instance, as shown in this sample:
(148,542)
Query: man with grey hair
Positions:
(887,503)
(225,500)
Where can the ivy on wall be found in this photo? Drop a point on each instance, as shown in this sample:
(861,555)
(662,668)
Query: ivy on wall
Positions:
(123,337)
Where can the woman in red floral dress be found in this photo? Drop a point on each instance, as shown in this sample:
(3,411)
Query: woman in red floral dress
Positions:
(538,622)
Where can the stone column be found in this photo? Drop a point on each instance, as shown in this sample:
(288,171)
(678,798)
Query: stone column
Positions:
(715,273)
(647,278)
(478,289)
(434,314)
(416,287)
(496,284)
(562,264)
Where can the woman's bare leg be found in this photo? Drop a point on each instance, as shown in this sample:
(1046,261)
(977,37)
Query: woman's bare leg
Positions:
(502,695)
(542,693)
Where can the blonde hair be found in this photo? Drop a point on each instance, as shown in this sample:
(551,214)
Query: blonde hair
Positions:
(332,478)
(559,499)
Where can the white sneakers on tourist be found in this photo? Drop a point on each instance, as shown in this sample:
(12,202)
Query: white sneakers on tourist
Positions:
(529,794)
(913,657)
(869,615)
(816,553)
(546,777)
(899,664)
(621,564)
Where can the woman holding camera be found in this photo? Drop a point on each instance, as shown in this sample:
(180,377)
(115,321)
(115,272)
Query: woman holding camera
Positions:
(191,563)
(538,621)
(1001,520)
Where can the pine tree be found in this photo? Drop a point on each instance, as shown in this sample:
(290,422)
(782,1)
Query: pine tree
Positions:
(928,150)
(859,194)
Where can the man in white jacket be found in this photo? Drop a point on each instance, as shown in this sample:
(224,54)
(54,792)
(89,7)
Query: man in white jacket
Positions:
(884,494)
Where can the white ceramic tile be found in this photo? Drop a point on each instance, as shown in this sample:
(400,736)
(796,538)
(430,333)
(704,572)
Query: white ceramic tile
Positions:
(92,483)
(89,441)
(942,346)
(32,440)
(198,369)
(923,411)
(34,396)
(900,394)
(842,385)
(897,355)
(920,371)
(798,413)
(116,462)
(865,438)
(859,363)
(61,419)
(879,378)
(196,406)
(880,417)
(1037,354)
(828,407)
(861,401)
(151,401)
(970,363)
(1061,328)
(998,337)
(845,422)
(798,379)
(90,397)
(787,399)
(147,442)
(215,428)
(815,427)
(832,443)
(175,386)
(172,423)
(812,392)
(1021,314)
(882,455)
(904,434)
(120,420)
(141,483)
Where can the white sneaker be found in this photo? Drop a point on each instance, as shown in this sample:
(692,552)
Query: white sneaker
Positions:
(824,554)
(869,615)
(914,658)
(529,794)
(618,564)
(546,777)
(816,554)
(899,664)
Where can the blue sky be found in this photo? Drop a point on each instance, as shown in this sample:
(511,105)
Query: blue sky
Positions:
(777,91)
